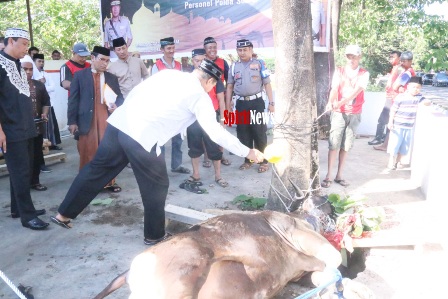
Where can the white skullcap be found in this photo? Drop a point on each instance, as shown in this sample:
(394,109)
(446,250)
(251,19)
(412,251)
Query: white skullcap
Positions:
(17,32)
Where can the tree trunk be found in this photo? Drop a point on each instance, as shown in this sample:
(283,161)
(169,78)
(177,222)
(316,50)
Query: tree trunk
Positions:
(295,103)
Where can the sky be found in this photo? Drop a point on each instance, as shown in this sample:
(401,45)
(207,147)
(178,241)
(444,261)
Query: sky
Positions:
(438,9)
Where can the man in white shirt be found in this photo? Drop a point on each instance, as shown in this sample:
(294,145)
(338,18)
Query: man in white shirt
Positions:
(345,103)
(135,133)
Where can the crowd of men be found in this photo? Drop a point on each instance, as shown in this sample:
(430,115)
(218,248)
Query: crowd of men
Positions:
(96,89)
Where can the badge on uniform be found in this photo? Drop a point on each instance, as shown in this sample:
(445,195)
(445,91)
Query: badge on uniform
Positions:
(255,66)
(237,75)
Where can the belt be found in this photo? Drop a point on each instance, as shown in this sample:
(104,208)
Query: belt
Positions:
(249,98)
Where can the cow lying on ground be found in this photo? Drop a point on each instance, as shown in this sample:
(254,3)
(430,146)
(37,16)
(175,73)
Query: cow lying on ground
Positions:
(232,256)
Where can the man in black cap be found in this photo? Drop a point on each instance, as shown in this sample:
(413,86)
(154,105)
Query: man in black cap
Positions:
(200,143)
(167,61)
(211,51)
(135,133)
(89,106)
(129,70)
(247,78)
(17,128)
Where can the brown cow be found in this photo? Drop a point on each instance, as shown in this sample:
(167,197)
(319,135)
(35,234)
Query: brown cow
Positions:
(232,256)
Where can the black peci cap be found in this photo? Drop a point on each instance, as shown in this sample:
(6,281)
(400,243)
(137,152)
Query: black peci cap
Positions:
(197,52)
(118,42)
(168,41)
(211,68)
(241,43)
(101,50)
(209,40)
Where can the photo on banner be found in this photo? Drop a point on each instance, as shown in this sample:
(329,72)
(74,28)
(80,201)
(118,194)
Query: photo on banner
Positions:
(142,23)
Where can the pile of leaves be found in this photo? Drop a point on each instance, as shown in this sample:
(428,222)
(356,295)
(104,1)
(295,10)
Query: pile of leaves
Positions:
(354,219)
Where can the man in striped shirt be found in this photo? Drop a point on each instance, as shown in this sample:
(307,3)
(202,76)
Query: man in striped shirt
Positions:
(401,120)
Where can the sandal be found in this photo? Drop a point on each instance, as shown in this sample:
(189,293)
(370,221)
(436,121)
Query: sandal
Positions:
(192,187)
(39,187)
(181,169)
(207,164)
(342,183)
(225,162)
(193,180)
(326,183)
(263,167)
(245,165)
(222,182)
(64,224)
(113,188)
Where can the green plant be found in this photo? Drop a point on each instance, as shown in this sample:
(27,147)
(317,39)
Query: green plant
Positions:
(249,203)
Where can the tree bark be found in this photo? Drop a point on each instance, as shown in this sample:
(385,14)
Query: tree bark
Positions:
(295,102)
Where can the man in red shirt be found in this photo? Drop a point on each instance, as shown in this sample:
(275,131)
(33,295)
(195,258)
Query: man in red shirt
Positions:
(394,59)
(345,103)
(76,63)
(399,84)
(211,53)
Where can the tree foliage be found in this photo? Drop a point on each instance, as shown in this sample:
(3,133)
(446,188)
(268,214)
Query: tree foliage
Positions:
(380,26)
(56,24)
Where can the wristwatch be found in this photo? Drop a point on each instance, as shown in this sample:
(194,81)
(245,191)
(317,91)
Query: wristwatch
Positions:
(272,103)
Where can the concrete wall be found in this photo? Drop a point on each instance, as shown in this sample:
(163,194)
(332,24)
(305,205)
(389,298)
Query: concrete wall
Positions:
(60,96)
(371,110)
(429,155)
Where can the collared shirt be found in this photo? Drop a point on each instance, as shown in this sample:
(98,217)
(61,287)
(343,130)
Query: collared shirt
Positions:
(130,73)
(122,29)
(176,109)
(16,108)
(155,69)
(248,77)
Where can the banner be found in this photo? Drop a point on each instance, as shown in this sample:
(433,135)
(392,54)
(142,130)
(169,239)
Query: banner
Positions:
(144,22)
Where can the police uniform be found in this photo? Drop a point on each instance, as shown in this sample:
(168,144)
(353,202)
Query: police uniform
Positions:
(115,29)
(248,79)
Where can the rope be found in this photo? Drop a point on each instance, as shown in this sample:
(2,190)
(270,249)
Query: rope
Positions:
(11,285)
(336,278)
(289,132)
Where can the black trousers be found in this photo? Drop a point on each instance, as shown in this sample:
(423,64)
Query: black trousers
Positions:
(38,159)
(252,135)
(115,151)
(52,128)
(196,136)
(383,120)
(19,159)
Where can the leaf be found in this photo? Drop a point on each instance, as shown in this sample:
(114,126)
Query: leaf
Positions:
(333,197)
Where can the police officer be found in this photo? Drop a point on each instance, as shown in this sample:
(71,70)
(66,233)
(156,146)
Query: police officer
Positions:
(117,26)
(246,80)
